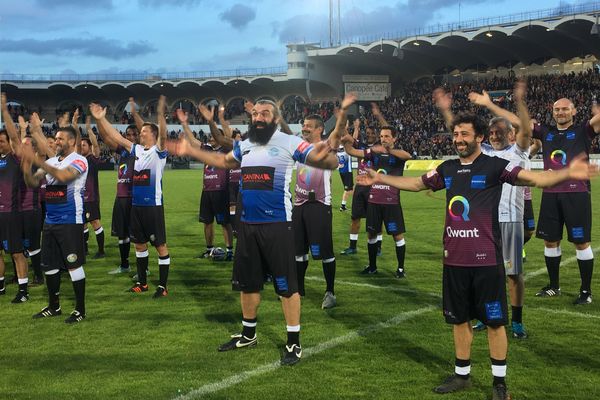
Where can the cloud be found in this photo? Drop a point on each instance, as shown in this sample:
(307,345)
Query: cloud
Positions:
(255,57)
(357,23)
(168,3)
(69,5)
(96,47)
(238,16)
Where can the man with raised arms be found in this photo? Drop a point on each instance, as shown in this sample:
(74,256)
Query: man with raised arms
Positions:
(265,238)
(473,272)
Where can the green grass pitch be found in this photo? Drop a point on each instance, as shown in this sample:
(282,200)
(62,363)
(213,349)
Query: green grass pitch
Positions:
(385,340)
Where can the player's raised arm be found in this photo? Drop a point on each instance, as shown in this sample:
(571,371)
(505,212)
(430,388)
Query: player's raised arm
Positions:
(408,183)
(579,169)
(162,123)
(11,129)
(484,100)
(92,136)
(99,114)
(376,111)
(22,127)
(525,133)
(347,142)
(106,138)
(35,127)
(75,125)
(139,122)
(183,116)
(209,115)
(215,159)
(342,118)
(443,102)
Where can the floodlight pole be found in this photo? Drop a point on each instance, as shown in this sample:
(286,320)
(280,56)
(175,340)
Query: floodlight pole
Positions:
(340,25)
(330,23)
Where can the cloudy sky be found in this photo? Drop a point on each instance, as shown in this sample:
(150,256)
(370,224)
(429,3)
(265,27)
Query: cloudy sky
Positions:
(121,36)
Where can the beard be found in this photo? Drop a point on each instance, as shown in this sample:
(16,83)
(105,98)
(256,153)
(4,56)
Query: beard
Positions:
(261,132)
(471,147)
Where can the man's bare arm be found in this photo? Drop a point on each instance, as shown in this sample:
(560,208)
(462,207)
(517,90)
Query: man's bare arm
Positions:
(106,138)
(524,133)
(35,127)
(182,116)
(92,136)
(22,127)
(99,114)
(340,124)
(484,100)
(408,183)
(162,123)
(579,169)
(224,123)
(209,115)
(443,101)
(215,159)
(139,122)
(11,129)
(322,156)
(378,115)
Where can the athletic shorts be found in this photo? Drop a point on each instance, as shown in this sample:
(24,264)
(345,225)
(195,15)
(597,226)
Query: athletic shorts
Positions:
(121,217)
(512,246)
(360,201)
(91,211)
(214,205)
(347,180)
(62,246)
(265,249)
(312,230)
(148,225)
(234,189)
(571,209)
(11,232)
(32,229)
(475,293)
(528,217)
(388,214)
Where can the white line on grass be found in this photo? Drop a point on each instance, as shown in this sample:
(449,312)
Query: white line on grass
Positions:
(566,312)
(562,264)
(371,286)
(335,342)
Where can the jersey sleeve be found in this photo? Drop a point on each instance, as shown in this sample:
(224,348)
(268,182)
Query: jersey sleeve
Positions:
(509,170)
(79,165)
(237,151)
(301,149)
(434,179)
(539,131)
(162,153)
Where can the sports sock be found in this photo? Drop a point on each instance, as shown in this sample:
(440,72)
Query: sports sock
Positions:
(372,247)
(78,278)
(163,269)
(379,240)
(517,314)
(585,260)
(142,266)
(86,237)
(23,285)
(344,203)
(400,253)
(301,267)
(329,273)
(293,335)
(553,257)
(124,248)
(36,258)
(100,239)
(249,327)
(499,371)
(2,282)
(353,240)
(53,284)
(462,368)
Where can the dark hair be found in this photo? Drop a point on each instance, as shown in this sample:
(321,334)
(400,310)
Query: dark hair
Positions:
(389,128)
(5,133)
(70,130)
(479,125)
(317,118)
(153,128)
(133,128)
(87,140)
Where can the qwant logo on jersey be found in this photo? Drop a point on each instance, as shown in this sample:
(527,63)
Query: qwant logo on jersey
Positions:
(465,214)
(382,171)
(558,157)
(122,169)
(304,175)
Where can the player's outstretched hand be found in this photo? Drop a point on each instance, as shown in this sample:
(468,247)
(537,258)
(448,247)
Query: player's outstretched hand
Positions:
(367,179)
(482,99)
(520,90)
(179,147)
(442,99)
(207,113)
(98,112)
(182,116)
(581,169)
(349,99)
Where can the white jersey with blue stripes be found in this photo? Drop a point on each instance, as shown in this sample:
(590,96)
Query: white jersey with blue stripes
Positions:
(147,175)
(64,202)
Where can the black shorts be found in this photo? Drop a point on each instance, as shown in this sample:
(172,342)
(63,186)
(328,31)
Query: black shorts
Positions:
(234,189)
(347,180)
(475,293)
(91,211)
(32,229)
(62,246)
(262,249)
(360,201)
(148,225)
(11,231)
(214,205)
(121,217)
(528,217)
(312,230)
(388,214)
(571,209)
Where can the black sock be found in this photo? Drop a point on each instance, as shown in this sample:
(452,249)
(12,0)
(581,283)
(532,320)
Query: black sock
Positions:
(400,254)
(552,265)
(293,338)
(462,364)
(499,380)
(36,265)
(586,268)
(353,244)
(517,314)
(86,237)
(79,289)
(163,270)
(2,281)
(372,254)
(100,240)
(142,268)
(230,249)
(53,284)
(124,248)
(249,331)
(301,267)
(23,288)
(379,245)
(329,273)
(527,239)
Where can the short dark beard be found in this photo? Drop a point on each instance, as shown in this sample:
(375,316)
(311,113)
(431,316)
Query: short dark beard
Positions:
(260,132)
(471,147)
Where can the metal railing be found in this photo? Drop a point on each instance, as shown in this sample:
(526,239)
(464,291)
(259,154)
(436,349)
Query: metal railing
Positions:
(545,14)
(144,76)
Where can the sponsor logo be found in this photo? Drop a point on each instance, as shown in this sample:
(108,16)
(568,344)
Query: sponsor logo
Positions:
(462,233)
(464,171)
(465,214)
(258,178)
(558,157)
(382,187)
(72,258)
(478,182)
(570,135)
(3,163)
(122,169)
(281,283)
(141,178)
(549,137)
(382,171)
(56,194)
(448,182)
(273,152)
(577,232)
(304,175)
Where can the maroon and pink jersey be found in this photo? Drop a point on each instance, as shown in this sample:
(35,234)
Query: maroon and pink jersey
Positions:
(312,184)
(472,231)
(91,192)
(30,198)
(234,176)
(560,146)
(10,183)
(125,172)
(215,179)
(386,164)
(362,163)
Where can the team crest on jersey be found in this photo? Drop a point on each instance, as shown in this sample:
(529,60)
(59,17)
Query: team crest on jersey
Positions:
(273,152)
(570,135)
(72,257)
(3,163)
(453,211)
(448,182)
(478,182)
